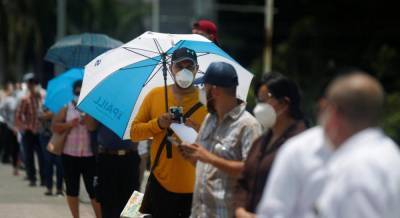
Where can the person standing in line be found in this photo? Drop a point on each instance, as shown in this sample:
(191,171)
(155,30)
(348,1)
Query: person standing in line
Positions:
(117,171)
(170,185)
(361,183)
(278,110)
(342,172)
(222,145)
(27,121)
(206,28)
(77,156)
(51,160)
(7,111)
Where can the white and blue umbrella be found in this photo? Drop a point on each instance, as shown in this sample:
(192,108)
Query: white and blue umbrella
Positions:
(116,82)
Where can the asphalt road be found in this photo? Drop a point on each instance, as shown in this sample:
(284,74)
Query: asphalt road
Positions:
(18,200)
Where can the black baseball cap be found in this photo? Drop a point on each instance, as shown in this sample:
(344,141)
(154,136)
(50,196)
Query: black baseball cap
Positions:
(219,74)
(182,54)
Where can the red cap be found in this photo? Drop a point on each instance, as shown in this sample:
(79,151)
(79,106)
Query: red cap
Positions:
(207,26)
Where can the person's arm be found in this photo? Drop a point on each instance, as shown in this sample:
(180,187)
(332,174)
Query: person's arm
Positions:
(243,187)
(90,123)
(283,185)
(243,213)
(199,153)
(59,125)
(47,115)
(144,126)
(19,115)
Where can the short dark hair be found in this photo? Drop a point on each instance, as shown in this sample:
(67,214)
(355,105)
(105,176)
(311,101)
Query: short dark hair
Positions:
(282,87)
(76,84)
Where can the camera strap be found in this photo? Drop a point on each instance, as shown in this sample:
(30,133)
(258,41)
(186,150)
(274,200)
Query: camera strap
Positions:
(167,143)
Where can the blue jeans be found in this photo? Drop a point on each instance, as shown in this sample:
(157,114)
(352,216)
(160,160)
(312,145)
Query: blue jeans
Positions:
(51,161)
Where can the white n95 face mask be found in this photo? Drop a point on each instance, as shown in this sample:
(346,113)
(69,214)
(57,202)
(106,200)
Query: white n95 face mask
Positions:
(184,78)
(265,114)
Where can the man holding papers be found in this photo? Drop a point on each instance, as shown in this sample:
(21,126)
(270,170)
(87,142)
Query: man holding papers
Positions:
(222,144)
(171,182)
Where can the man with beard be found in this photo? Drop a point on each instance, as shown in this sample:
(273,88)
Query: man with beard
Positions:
(222,144)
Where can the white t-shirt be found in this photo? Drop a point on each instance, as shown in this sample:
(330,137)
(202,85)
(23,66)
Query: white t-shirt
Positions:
(364,179)
(297,177)
(359,180)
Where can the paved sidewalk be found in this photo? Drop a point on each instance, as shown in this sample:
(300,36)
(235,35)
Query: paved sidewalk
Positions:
(18,200)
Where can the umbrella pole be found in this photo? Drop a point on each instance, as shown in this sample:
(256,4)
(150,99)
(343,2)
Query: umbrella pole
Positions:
(164,69)
(164,64)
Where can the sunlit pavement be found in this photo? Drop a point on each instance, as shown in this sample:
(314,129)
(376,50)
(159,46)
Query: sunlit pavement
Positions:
(18,200)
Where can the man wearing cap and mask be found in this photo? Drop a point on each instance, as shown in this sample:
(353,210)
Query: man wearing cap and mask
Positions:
(222,144)
(27,121)
(170,186)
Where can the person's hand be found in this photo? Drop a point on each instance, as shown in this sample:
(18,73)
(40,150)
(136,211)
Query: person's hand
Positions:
(198,152)
(186,154)
(191,123)
(164,120)
(242,213)
(73,123)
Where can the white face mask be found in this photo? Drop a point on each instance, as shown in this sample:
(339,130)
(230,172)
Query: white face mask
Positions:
(38,89)
(76,98)
(184,78)
(265,114)
(203,96)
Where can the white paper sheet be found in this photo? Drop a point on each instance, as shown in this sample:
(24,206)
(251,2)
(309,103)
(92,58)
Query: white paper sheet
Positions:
(185,133)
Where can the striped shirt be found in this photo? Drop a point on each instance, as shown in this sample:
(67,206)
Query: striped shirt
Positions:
(26,114)
(77,143)
(231,140)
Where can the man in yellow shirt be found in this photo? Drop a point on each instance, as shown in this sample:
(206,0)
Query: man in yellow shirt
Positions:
(170,186)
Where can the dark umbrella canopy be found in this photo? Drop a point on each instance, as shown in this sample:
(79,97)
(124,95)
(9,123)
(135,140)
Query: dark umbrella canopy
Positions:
(77,50)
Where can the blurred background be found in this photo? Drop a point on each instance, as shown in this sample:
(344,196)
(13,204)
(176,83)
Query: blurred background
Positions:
(310,40)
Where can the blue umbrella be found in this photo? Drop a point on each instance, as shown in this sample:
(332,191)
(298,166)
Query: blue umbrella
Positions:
(116,82)
(78,50)
(59,89)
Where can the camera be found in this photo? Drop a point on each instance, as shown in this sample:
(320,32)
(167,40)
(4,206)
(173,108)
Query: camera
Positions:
(177,114)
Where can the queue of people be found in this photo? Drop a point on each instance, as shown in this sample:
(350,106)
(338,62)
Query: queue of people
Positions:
(269,165)
(108,165)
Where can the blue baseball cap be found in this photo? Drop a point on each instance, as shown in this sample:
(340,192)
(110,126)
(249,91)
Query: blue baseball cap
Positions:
(219,74)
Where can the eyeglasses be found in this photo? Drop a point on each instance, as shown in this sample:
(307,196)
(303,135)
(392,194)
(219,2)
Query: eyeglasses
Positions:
(265,97)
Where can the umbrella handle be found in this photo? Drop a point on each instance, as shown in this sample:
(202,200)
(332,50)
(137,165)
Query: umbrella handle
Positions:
(164,64)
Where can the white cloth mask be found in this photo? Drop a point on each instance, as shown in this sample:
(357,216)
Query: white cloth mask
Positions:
(184,78)
(265,114)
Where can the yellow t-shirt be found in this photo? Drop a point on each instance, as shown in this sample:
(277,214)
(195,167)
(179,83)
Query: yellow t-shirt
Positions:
(175,174)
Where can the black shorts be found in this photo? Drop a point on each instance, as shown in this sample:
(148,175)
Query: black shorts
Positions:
(118,177)
(73,168)
(163,203)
